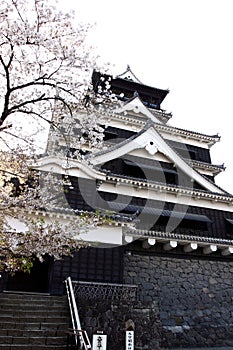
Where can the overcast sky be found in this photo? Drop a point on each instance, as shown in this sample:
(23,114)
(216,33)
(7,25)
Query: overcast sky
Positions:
(182,45)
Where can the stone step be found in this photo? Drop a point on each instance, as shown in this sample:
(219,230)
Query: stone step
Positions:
(27,319)
(33,340)
(36,308)
(32,332)
(22,312)
(37,299)
(28,306)
(33,326)
(33,322)
(41,302)
(33,313)
(27,300)
(30,295)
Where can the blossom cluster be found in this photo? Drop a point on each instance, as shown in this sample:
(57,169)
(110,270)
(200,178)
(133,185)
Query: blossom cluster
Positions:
(45,70)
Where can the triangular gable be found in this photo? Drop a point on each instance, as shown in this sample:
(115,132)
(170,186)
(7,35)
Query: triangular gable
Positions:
(136,105)
(153,142)
(129,75)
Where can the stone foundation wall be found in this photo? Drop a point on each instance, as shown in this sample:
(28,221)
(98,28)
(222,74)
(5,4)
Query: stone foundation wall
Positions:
(111,316)
(194,298)
(181,303)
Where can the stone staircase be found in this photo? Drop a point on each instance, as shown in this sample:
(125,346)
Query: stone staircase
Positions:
(33,322)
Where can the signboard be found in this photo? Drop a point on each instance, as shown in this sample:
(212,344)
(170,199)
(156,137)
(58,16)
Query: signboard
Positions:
(99,341)
(129,339)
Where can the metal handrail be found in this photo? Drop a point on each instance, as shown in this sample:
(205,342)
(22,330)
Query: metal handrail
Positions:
(80,335)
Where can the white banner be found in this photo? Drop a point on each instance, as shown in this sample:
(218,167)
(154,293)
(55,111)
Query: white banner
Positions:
(99,342)
(129,338)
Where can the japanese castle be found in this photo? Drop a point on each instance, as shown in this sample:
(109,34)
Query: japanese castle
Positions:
(165,259)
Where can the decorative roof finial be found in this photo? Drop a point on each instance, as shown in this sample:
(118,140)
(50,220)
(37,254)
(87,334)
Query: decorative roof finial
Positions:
(129,75)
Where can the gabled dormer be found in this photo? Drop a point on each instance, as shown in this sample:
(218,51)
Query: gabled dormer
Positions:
(135,107)
(154,145)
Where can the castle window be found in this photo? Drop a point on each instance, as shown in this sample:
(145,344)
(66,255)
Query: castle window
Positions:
(150,172)
(229,227)
(109,135)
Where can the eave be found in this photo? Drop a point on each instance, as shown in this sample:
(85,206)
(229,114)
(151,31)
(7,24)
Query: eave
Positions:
(139,121)
(189,243)
(67,166)
(68,213)
(141,89)
(129,84)
(208,139)
(213,168)
(165,188)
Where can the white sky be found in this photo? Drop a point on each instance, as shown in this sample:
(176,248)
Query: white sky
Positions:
(182,45)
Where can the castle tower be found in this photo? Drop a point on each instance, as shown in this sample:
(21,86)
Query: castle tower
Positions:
(169,244)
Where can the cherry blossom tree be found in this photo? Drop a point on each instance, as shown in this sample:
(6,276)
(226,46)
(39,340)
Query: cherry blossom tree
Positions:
(28,231)
(44,75)
(43,59)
